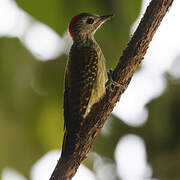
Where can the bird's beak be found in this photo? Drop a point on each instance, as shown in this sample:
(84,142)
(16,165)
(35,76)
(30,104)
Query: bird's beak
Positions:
(106,17)
(102,20)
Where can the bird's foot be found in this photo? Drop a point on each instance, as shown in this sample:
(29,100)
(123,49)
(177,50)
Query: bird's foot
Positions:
(113,84)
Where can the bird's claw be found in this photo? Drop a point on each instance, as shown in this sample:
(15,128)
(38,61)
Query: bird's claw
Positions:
(113,84)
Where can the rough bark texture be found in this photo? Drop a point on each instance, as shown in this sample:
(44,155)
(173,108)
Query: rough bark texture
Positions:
(82,140)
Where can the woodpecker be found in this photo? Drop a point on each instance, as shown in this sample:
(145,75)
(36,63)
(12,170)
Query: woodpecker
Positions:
(85,74)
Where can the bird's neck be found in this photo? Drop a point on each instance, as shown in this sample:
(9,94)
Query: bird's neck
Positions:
(85,40)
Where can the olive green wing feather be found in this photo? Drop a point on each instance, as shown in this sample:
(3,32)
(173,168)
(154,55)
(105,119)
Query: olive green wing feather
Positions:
(81,74)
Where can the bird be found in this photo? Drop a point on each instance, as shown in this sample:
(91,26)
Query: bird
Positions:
(85,73)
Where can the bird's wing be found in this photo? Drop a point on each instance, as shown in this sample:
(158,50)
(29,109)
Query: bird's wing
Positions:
(66,103)
(81,73)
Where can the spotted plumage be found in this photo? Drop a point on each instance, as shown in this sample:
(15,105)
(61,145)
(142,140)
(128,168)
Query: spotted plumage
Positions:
(85,75)
(81,78)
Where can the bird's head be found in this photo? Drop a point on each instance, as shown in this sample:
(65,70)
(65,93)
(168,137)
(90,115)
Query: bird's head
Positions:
(85,25)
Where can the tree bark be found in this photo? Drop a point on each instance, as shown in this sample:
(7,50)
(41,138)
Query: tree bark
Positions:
(81,140)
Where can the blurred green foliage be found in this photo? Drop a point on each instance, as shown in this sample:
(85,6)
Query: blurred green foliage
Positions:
(31,118)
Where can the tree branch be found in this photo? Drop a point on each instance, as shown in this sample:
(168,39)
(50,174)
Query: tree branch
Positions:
(81,139)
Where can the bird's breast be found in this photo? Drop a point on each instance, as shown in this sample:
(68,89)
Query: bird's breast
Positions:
(99,85)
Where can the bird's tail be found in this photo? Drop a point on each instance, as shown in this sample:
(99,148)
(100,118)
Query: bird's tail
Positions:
(64,144)
(69,142)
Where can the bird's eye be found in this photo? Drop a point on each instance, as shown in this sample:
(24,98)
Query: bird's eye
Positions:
(90,21)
